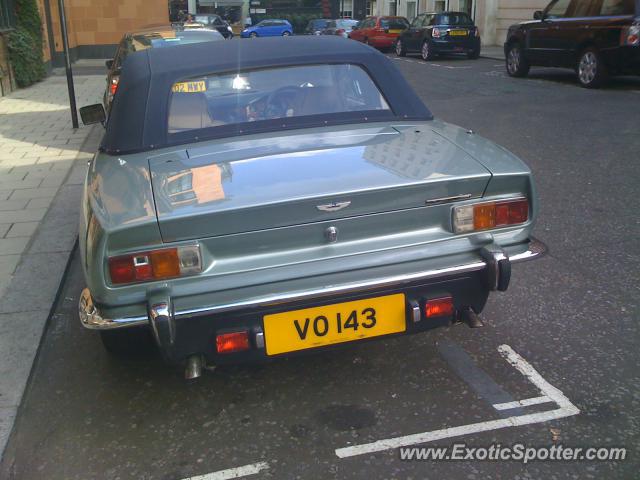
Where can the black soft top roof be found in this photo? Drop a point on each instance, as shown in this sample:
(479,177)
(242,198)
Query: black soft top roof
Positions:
(138,117)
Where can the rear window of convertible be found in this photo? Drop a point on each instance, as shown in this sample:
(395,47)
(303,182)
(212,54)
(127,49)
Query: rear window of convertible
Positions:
(274,93)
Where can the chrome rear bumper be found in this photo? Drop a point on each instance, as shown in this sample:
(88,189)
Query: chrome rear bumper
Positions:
(496,261)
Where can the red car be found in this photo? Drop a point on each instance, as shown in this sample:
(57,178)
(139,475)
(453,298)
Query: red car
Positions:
(379,32)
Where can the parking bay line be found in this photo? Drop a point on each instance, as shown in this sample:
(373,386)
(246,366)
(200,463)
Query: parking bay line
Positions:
(566,409)
(236,472)
(522,403)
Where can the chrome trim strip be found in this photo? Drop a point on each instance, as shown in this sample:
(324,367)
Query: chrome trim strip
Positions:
(331,289)
(453,198)
(536,249)
(92,319)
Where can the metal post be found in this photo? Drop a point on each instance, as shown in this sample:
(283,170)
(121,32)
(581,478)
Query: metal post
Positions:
(67,64)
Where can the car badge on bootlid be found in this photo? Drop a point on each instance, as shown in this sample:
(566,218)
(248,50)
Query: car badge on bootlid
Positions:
(333,206)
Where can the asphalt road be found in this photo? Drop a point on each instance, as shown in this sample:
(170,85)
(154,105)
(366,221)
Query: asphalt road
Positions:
(572,316)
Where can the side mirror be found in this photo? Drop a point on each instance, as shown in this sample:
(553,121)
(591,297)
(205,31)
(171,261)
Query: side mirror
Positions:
(93,114)
(109,64)
(538,15)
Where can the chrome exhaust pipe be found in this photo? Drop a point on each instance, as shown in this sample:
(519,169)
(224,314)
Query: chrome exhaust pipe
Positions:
(193,369)
(468,316)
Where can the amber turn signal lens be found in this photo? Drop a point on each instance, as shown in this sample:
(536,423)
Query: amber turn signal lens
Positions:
(232,342)
(484,216)
(165,263)
(439,307)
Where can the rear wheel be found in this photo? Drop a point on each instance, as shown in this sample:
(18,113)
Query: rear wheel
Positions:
(400,50)
(474,54)
(592,72)
(517,65)
(426,51)
(127,342)
(286,34)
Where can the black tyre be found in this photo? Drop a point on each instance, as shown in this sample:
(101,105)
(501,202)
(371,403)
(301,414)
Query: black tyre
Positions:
(426,51)
(286,34)
(517,65)
(400,50)
(592,72)
(253,35)
(474,54)
(127,342)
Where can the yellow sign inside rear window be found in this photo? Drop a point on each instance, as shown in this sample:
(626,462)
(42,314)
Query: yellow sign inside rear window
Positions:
(190,87)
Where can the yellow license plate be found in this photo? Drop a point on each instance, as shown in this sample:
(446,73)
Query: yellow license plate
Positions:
(190,87)
(337,323)
(395,31)
(458,33)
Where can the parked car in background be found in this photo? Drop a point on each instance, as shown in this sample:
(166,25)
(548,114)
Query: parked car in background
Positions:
(379,32)
(315,26)
(153,37)
(255,200)
(432,34)
(595,38)
(268,28)
(215,22)
(340,26)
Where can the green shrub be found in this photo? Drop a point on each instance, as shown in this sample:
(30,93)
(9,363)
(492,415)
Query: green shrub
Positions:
(25,44)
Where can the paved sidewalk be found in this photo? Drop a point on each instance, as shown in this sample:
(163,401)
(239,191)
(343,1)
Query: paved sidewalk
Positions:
(493,51)
(42,166)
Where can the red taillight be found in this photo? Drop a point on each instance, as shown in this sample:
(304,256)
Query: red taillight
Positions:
(122,270)
(435,33)
(232,342)
(114,85)
(155,264)
(486,215)
(340,31)
(439,307)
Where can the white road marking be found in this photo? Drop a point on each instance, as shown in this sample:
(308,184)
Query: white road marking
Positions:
(566,409)
(236,472)
(522,403)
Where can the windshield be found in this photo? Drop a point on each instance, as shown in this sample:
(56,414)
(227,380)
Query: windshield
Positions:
(318,23)
(204,19)
(394,23)
(267,94)
(171,38)
(346,23)
(455,19)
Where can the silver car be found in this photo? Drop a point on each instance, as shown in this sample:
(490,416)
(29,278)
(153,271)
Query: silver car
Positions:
(255,200)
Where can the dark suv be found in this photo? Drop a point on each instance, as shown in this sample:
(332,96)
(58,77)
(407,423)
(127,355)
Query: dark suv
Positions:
(594,37)
(435,33)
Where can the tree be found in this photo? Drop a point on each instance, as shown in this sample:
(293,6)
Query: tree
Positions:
(25,44)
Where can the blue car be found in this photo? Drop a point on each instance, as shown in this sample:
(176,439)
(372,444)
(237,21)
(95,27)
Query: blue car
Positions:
(268,28)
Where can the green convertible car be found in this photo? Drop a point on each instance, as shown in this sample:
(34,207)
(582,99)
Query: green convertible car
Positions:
(256,200)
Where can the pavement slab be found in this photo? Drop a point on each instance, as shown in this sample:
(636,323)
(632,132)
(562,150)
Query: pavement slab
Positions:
(39,211)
